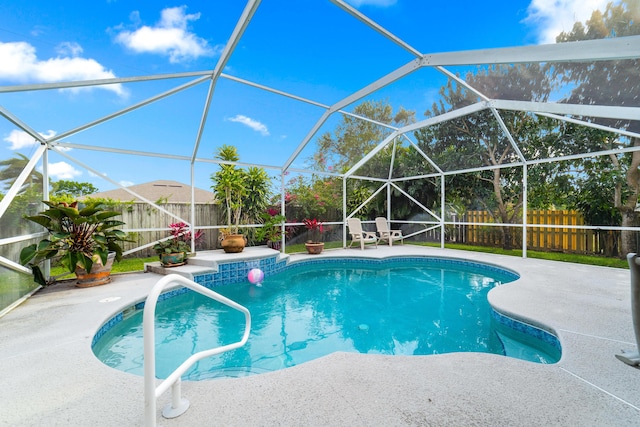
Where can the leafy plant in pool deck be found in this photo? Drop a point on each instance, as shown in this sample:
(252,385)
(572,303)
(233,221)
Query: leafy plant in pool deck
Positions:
(243,193)
(79,237)
(271,229)
(179,241)
(315,230)
(229,186)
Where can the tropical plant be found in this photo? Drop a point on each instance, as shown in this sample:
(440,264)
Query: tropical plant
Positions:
(271,230)
(179,241)
(79,237)
(257,194)
(314,197)
(244,193)
(609,83)
(315,228)
(229,186)
(11,168)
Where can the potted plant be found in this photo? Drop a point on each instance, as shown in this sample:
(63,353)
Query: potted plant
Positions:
(314,245)
(174,250)
(271,230)
(229,187)
(85,241)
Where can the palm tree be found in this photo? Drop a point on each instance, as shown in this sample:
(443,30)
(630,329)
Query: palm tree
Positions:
(12,167)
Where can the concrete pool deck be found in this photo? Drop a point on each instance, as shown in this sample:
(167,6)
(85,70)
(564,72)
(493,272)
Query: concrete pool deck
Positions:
(50,377)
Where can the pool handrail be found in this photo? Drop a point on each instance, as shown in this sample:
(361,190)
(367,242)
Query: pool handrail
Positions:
(178,405)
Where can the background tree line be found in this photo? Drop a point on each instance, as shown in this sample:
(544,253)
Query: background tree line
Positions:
(604,189)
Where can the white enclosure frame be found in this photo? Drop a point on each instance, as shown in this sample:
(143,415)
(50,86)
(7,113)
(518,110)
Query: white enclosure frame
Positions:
(593,50)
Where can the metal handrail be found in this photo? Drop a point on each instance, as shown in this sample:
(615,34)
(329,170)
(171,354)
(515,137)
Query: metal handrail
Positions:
(178,405)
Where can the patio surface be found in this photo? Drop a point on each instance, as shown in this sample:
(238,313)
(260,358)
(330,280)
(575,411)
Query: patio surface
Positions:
(51,378)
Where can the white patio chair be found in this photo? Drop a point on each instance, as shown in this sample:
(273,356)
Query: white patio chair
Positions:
(357,235)
(386,234)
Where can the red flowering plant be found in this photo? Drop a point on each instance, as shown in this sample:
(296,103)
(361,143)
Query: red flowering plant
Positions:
(180,231)
(315,230)
(180,240)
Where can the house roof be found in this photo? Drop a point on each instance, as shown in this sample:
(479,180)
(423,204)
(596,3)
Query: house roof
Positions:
(165,191)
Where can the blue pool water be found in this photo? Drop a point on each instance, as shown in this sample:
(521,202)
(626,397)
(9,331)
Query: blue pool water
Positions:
(395,308)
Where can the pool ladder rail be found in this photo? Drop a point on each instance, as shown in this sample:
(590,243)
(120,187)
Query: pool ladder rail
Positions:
(178,405)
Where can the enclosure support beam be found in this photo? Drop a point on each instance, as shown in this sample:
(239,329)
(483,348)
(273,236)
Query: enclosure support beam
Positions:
(45,196)
(105,177)
(362,18)
(247,13)
(388,215)
(371,154)
(192,222)
(344,212)
(124,111)
(442,211)
(586,50)
(602,111)
(424,208)
(20,180)
(525,207)
(282,210)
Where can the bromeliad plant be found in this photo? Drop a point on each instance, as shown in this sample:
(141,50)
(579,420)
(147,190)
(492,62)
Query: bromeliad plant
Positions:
(78,237)
(315,230)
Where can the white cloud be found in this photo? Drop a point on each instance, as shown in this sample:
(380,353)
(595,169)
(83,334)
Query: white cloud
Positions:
(375,3)
(169,37)
(20,64)
(69,49)
(20,139)
(126,183)
(555,16)
(253,124)
(63,170)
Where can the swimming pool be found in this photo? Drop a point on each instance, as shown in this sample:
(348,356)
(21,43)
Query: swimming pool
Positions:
(399,306)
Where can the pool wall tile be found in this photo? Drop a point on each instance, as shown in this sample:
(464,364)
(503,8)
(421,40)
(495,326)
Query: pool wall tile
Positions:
(528,329)
(106,327)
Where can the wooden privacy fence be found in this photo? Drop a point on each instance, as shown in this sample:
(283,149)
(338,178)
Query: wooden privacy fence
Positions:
(139,216)
(542,238)
(549,235)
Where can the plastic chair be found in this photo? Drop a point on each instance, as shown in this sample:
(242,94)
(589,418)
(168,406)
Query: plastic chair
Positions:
(386,234)
(357,235)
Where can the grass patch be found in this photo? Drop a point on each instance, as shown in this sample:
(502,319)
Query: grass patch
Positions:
(137,264)
(127,265)
(552,256)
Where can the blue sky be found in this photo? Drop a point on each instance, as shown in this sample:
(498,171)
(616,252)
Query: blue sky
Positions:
(309,48)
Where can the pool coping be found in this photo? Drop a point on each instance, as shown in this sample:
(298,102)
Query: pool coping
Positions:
(45,350)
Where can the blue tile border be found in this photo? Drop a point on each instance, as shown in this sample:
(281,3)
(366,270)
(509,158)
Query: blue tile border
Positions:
(525,328)
(106,327)
(236,272)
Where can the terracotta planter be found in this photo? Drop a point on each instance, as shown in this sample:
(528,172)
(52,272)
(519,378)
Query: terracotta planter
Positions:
(233,243)
(314,248)
(99,274)
(174,259)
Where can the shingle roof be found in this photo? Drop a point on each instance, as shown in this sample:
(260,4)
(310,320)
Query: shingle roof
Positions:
(167,191)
